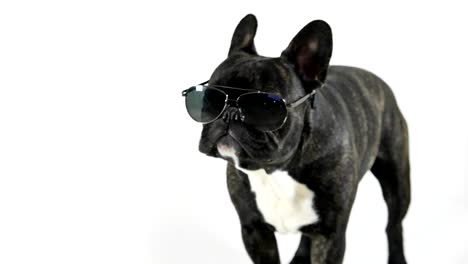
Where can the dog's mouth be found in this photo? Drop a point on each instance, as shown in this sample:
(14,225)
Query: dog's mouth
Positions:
(248,149)
(227,148)
(230,148)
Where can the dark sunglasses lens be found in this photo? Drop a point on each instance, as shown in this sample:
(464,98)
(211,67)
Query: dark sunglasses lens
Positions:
(265,112)
(205,105)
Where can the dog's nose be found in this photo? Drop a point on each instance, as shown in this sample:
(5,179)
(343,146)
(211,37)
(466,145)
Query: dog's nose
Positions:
(232,113)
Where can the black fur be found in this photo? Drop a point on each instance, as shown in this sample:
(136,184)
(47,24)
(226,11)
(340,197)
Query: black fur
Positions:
(356,126)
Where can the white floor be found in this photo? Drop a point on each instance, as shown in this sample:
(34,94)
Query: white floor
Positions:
(206,230)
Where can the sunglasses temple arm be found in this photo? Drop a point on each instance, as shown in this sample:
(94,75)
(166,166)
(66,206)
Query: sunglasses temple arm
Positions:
(184,92)
(302,100)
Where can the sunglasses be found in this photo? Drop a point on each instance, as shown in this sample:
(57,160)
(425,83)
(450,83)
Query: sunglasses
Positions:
(264,111)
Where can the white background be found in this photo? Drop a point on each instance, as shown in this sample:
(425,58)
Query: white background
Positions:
(99,161)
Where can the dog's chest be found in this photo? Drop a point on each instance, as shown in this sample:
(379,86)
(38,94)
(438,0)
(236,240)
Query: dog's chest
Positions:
(284,203)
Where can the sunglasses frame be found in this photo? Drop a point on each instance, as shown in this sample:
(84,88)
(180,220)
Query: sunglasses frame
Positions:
(248,91)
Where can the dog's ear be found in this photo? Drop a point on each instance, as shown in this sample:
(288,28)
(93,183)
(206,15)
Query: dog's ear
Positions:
(243,37)
(310,52)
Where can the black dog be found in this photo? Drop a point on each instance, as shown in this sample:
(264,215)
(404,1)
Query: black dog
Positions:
(304,175)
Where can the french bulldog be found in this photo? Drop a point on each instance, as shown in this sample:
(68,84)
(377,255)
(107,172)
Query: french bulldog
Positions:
(303,177)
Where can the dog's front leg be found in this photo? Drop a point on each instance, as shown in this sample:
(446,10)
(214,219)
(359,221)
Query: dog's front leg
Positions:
(325,241)
(259,238)
(327,249)
(260,243)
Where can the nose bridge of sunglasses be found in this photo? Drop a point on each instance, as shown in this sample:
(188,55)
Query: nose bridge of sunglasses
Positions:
(231,102)
(233,93)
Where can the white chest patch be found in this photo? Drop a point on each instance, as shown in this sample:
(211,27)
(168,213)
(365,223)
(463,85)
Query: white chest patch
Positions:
(284,203)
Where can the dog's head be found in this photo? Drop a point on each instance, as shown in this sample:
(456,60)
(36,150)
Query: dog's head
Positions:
(294,74)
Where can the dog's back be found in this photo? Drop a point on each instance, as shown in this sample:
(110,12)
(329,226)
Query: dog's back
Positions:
(363,107)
